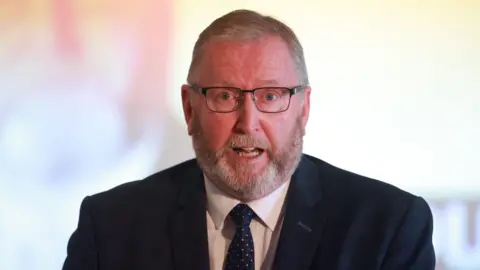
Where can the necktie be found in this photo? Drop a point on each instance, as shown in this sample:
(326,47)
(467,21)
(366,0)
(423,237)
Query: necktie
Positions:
(241,254)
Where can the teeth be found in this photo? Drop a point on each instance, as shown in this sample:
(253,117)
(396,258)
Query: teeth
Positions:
(248,153)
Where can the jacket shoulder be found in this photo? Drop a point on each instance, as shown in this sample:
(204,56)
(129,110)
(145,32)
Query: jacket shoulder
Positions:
(393,226)
(348,187)
(163,186)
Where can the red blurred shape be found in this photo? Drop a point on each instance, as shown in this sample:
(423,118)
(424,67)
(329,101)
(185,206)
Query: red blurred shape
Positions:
(65,24)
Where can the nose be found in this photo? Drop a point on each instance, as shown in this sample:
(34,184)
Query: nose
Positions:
(248,116)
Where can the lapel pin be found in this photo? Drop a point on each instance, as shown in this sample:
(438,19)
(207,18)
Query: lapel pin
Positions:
(305,227)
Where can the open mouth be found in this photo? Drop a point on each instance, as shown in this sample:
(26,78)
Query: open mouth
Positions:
(248,151)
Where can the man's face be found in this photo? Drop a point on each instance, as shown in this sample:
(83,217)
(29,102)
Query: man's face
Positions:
(222,141)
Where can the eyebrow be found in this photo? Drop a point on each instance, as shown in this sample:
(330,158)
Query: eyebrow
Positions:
(265,82)
(268,82)
(228,83)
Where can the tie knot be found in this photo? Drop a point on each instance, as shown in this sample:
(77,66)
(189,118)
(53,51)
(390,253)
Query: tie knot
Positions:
(242,215)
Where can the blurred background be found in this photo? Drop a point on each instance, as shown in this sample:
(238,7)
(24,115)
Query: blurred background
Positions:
(90,99)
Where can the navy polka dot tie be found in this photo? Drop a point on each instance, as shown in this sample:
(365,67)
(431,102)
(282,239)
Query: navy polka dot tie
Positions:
(241,254)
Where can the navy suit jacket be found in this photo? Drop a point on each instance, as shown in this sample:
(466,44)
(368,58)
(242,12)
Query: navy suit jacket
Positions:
(334,219)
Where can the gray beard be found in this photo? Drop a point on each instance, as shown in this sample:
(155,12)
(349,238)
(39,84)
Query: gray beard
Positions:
(237,180)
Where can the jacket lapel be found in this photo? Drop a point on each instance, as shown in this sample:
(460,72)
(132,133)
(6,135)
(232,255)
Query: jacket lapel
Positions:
(303,220)
(188,224)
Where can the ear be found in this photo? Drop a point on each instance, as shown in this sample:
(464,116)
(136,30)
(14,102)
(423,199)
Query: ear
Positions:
(187,100)
(306,106)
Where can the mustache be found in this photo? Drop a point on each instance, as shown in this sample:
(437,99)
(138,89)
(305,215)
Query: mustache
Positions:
(247,140)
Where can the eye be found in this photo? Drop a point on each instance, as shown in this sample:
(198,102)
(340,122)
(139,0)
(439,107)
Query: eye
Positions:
(221,94)
(271,96)
(225,95)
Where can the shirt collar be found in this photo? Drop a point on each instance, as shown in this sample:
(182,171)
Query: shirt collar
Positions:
(268,208)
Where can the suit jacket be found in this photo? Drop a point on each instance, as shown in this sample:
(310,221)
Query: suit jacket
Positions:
(334,219)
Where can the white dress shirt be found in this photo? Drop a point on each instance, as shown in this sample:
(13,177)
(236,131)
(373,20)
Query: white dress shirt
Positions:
(265,229)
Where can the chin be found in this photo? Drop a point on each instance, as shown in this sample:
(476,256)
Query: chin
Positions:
(245,185)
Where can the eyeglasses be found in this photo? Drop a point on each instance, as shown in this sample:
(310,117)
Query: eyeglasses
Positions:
(267,99)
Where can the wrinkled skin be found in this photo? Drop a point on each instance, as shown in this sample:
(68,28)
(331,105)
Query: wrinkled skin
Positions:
(246,64)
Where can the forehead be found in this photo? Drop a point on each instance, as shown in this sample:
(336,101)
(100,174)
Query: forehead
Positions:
(252,63)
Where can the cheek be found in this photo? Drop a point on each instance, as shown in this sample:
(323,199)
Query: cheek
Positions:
(216,129)
(274,129)
(278,130)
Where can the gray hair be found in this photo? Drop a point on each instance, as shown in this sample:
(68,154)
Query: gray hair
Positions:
(246,25)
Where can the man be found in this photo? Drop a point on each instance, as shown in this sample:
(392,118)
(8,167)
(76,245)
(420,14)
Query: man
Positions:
(251,199)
